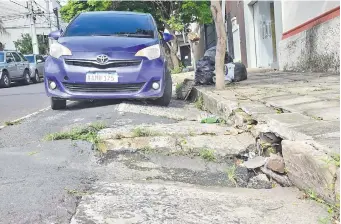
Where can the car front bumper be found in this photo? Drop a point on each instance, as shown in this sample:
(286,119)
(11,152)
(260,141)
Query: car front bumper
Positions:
(71,82)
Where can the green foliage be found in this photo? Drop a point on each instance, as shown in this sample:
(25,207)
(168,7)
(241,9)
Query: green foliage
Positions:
(88,134)
(174,14)
(144,132)
(24,45)
(207,154)
(73,8)
(231,174)
(176,70)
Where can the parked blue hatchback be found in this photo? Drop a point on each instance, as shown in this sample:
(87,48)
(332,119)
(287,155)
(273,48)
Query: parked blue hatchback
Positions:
(108,55)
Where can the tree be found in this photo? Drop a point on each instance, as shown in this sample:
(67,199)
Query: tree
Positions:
(221,44)
(175,16)
(24,45)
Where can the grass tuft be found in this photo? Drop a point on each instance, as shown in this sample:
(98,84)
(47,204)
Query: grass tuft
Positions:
(207,154)
(143,132)
(231,174)
(11,123)
(88,134)
(199,103)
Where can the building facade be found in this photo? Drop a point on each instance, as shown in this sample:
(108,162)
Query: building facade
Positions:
(285,35)
(16,20)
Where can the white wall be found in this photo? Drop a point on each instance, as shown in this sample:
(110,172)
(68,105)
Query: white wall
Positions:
(16,22)
(295,13)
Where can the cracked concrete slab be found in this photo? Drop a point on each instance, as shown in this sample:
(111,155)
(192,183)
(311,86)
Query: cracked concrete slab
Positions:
(126,202)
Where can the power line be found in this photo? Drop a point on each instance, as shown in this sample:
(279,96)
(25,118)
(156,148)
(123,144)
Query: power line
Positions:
(43,8)
(18,4)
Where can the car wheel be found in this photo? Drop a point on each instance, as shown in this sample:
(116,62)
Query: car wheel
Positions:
(27,78)
(167,94)
(5,80)
(58,104)
(36,78)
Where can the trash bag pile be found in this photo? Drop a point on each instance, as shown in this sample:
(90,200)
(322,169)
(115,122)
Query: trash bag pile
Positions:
(205,71)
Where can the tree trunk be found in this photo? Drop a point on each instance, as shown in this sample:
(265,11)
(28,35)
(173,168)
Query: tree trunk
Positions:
(221,44)
(174,51)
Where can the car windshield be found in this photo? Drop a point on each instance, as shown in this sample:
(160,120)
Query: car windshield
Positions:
(30,58)
(2,57)
(111,24)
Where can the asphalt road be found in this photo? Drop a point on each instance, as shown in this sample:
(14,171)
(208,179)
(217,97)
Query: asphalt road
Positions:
(19,100)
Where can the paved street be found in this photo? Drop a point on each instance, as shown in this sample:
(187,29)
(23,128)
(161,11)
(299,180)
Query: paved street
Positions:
(65,181)
(20,100)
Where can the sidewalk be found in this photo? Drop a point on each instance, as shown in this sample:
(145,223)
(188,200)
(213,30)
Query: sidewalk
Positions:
(301,108)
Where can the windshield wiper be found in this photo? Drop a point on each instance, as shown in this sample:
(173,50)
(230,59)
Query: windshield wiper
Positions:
(124,35)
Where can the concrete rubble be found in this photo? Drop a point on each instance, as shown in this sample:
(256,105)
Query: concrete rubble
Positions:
(302,109)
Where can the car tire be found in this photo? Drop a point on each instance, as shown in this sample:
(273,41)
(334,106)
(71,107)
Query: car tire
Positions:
(58,104)
(5,80)
(36,77)
(27,78)
(167,94)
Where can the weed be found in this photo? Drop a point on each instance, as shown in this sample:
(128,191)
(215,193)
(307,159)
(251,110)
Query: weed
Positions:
(178,87)
(32,153)
(335,160)
(88,134)
(75,192)
(199,103)
(333,209)
(231,174)
(11,123)
(279,110)
(143,132)
(317,118)
(176,70)
(207,154)
(147,149)
(238,110)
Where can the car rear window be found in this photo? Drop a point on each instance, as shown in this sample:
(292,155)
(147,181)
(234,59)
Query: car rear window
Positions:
(110,24)
(2,57)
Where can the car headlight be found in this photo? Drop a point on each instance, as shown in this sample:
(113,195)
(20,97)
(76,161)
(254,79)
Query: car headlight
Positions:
(151,52)
(57,50)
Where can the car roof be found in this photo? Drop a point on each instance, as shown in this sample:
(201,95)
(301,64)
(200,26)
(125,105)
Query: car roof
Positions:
(115,13)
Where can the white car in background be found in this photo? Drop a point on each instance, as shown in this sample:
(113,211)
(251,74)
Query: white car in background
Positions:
(37,63)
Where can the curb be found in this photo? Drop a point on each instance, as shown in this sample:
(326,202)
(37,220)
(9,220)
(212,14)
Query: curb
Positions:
(27,116)
(306,163)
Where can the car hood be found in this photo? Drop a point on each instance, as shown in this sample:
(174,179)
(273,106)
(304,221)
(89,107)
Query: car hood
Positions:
(106,44)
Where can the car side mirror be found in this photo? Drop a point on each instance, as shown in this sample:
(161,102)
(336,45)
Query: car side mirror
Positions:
(167,37)
(9,60)
(39,61)
(55,34)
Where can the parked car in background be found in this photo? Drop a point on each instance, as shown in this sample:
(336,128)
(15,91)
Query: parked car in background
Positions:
(37,63)
(13,67)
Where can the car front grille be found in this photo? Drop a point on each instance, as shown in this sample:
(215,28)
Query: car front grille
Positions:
(109,64)
(104,87)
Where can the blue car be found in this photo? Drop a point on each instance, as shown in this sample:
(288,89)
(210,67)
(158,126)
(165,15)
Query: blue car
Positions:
(108,55)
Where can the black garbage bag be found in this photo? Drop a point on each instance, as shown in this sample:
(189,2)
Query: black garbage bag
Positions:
(211,54)
(203,78)
(205,64)
(239,74)
(205,71)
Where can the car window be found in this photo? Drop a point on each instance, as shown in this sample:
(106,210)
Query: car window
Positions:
(22,56)
(39,57)
(110,24)
(30,58)
(9,56)
(16,57)
(2,57)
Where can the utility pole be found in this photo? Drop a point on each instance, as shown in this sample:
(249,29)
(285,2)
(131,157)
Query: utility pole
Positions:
(33,27)
(49,18)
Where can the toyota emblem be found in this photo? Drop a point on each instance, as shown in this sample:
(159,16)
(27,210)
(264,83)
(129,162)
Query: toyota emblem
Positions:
(102,59)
